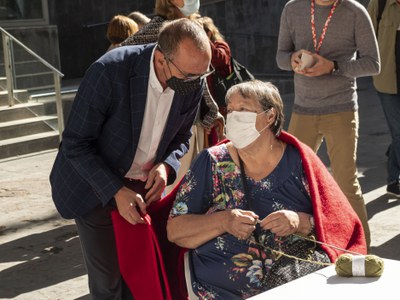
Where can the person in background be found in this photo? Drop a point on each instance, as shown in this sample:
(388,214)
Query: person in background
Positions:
(330,33)
(139,18)
(129,125)
(387,83)
(165,10)
(261,192)
(119,28)
(221,58)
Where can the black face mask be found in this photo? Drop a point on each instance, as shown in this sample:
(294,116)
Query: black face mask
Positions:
(183,87)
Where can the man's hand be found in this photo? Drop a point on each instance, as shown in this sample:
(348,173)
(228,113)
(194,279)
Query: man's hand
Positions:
(322,66)
(156,182)
(130,205)
(295,61)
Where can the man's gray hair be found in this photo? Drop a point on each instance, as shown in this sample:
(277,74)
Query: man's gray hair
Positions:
(174,32)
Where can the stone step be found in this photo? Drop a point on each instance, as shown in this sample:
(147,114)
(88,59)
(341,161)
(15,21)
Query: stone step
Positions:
(21,95)
(20,111)
(29,144)
(22,127)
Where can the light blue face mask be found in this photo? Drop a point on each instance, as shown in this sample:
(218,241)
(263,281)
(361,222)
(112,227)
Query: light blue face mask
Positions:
(190,7)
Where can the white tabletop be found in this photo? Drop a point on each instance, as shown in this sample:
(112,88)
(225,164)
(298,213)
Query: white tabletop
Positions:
(325,284)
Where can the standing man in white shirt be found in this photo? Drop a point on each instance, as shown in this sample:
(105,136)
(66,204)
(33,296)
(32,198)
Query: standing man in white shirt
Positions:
(129,125)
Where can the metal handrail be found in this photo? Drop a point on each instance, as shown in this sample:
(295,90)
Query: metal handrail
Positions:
(32,53)
(10,75)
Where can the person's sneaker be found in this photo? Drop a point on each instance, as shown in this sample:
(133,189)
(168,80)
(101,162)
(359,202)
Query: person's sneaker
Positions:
(393,189)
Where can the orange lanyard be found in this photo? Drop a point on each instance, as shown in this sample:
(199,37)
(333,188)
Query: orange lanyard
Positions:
(314,34)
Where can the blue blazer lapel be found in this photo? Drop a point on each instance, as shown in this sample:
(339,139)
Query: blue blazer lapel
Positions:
(174,115)
(138,93)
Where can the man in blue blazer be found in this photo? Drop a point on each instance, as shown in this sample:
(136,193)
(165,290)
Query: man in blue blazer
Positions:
(128,127)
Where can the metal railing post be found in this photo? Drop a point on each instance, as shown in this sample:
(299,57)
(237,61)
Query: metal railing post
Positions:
(8,42)
(8,68)
(60,114)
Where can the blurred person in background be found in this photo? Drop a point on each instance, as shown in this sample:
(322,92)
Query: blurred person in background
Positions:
(139,18)
(221,58)
(119,28)
(387,83)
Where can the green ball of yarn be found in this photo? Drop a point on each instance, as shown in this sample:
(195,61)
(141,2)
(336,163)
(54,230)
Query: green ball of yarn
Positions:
(373,265)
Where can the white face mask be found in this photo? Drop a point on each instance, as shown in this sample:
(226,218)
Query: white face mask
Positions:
(241,128)
(190,7)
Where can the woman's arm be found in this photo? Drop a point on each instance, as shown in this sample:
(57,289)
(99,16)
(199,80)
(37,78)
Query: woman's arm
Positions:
(191,231)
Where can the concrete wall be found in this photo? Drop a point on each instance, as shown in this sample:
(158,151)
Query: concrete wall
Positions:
(250,26)
(82,26)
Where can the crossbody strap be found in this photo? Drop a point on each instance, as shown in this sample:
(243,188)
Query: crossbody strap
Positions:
(247,194)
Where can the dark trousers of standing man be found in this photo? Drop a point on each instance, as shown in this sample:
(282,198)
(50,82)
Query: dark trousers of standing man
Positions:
(97,238)
(96,234)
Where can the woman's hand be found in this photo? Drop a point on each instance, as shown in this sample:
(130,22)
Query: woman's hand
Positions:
(282,222)
(241,223)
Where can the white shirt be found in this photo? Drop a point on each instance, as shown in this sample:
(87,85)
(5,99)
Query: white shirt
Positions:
(158,105)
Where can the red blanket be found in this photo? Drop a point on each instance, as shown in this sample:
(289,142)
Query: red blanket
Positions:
(336,223)
(151,266)
(148,259)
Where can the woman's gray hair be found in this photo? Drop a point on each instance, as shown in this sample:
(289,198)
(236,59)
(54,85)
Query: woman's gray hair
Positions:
(174,32)
(266,94)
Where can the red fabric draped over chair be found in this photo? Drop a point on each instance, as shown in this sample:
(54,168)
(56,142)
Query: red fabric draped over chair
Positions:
(151,266)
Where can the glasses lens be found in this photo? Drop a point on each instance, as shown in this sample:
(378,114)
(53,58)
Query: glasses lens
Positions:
(192,78)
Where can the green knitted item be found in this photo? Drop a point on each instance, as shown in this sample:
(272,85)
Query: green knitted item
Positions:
(373,266)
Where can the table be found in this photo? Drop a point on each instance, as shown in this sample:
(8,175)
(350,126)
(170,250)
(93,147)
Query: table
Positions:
(325,284)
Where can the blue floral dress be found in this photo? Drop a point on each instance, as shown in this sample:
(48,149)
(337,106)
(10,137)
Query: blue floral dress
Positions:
(225,267)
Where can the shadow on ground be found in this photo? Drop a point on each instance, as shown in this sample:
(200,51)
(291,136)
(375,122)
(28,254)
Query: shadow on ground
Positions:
(86,297)
(381,204)
(390,249)
(41,258)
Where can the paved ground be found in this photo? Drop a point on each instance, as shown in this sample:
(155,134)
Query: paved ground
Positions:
(40,254)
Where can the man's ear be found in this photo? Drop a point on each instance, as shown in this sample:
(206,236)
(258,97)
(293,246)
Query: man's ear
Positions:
(159,58)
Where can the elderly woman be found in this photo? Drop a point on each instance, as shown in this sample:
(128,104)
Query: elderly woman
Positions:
(245,206)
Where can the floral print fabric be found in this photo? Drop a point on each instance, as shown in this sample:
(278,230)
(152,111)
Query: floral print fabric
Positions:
(225,267)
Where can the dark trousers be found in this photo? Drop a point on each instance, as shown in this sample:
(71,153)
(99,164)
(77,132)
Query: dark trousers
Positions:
(391,108)
(97,238)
